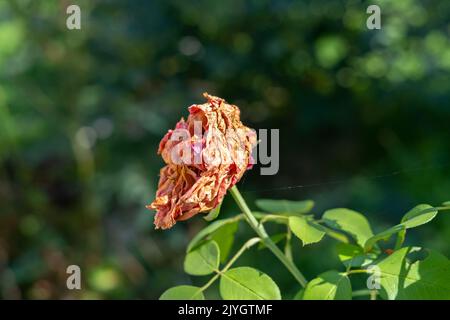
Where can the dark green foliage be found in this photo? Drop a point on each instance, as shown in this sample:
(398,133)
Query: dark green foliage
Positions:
(403,273)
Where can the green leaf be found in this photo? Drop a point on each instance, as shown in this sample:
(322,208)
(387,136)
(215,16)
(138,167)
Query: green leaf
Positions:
(299,295)
(280,206)
(446,203)
(246,283)
(281,218)
(212,227)
(351,222)
(400,239)
(415,273)
(308,231)
(214,213)
(183,293)
(335,234)
(353,256)
(418,216)
(224,237)
(385,235)
(330,285)
(203,260)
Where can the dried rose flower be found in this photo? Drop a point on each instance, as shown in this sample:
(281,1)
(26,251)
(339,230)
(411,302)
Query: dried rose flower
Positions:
(205,156)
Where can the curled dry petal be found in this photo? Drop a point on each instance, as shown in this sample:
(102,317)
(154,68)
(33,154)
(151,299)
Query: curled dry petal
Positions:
(205,156)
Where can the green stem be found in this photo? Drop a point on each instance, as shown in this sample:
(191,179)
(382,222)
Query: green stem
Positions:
(364,292)
(373,295)
(276,218)
(210,282)
(402,234)
(361,293)
(400,239)
(261,232)
(287,247)
(356,271)
(334,234)
(246,246)
(443,208)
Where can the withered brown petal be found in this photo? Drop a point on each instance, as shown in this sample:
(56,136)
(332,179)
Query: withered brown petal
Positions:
(187,187)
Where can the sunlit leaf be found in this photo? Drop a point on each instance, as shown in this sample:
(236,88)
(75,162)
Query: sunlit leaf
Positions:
(351,222)
(405,274)
(385,236)
(245,283)
(183,293)
(330,285)
(307,231)
(353,256)
(417,216)
(203,260)
(299,295)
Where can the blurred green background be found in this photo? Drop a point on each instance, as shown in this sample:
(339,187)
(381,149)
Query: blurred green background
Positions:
(364,118)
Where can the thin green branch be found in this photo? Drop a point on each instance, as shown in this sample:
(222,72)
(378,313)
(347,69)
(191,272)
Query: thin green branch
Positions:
(365,292)
(261,232)
(287,246)
(361,293)
(357,271)
(246,246)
